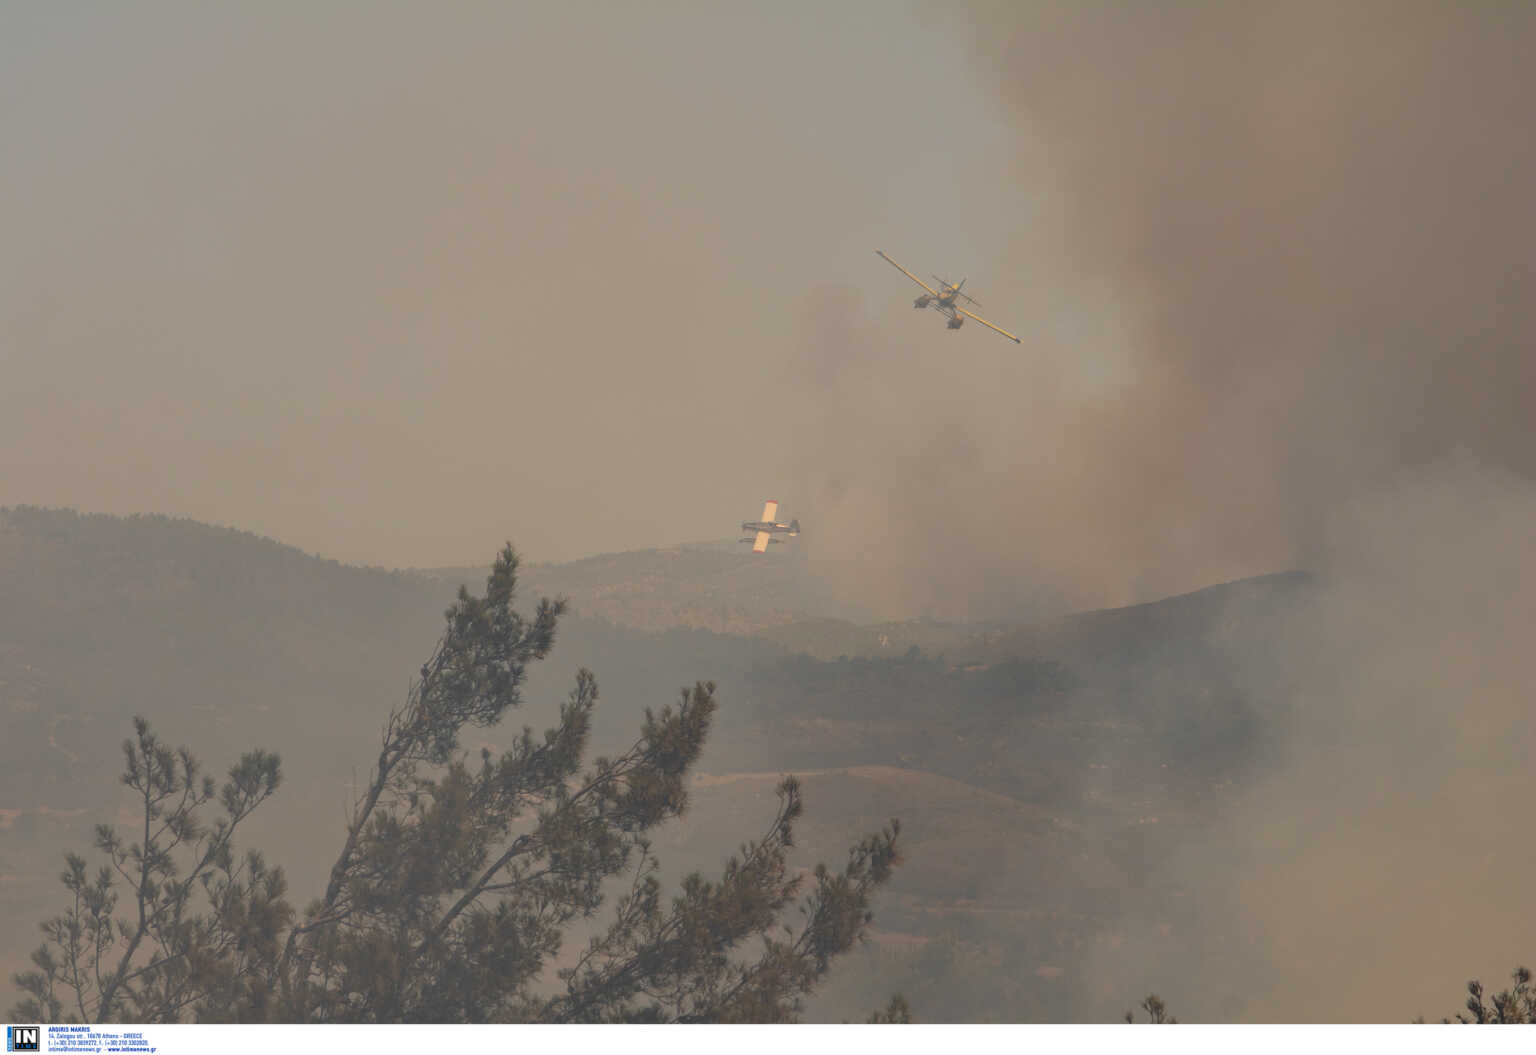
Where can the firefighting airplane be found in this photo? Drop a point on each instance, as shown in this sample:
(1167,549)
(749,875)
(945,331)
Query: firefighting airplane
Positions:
(943,299)
(766,528)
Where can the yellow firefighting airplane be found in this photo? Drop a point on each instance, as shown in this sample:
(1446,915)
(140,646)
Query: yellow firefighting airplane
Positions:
(944,299)
(767,528)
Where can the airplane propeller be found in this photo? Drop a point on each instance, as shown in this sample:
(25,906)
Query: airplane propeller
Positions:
(948,285)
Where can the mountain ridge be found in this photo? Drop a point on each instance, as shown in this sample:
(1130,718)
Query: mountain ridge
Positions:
(1044,768)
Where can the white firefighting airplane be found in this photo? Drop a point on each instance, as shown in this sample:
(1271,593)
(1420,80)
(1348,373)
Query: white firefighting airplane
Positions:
(767,528)
(944,299)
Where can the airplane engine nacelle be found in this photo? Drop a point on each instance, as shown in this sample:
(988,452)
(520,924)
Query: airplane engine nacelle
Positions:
(921,302)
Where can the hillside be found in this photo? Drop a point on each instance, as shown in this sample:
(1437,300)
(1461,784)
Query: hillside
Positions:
(1129,635)
(1042,771)
(717,586)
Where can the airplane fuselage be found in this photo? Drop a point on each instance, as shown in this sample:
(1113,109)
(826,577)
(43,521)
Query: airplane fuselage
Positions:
(769,526)
(945,299)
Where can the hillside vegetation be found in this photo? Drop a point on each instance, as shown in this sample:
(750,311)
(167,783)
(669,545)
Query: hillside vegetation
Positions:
(1041,771)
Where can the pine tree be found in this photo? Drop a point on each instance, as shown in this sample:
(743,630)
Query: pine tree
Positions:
(203,926)
(1515,1006)
(1157,1012)
(456,884)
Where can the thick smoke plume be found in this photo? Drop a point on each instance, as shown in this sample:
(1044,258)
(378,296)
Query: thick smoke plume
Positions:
(1384,860)
(1267,258)
(1308,228)
(1272,265)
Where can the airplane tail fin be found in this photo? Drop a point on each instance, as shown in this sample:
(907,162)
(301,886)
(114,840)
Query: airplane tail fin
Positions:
(794,527)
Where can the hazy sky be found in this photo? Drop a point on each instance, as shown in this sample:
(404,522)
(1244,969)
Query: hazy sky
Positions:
(396,282)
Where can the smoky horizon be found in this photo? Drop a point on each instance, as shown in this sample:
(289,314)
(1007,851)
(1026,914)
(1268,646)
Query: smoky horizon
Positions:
(394,285)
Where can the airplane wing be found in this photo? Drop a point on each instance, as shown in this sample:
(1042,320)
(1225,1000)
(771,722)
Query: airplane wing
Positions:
(770,510)
(909,274)
(762,542)
(988,325)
